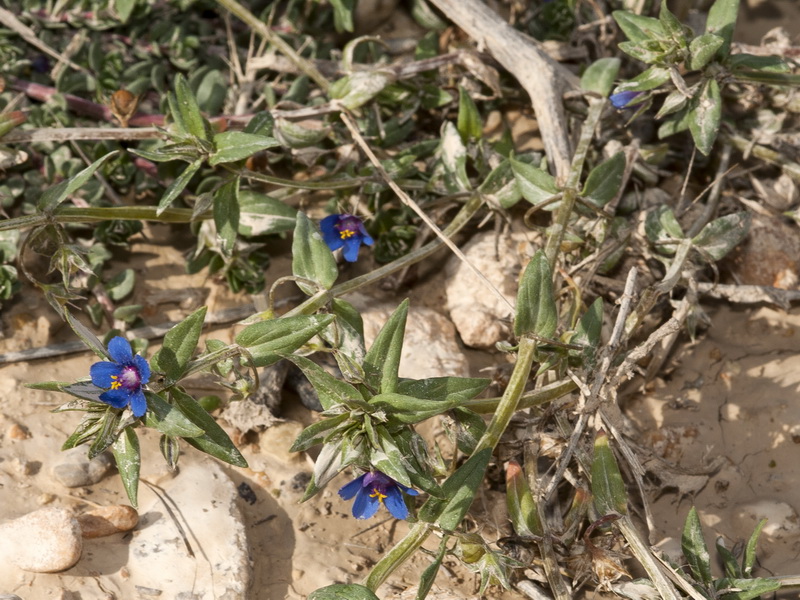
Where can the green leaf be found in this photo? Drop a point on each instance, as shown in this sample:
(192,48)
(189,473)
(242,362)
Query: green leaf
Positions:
(648,79)
(535,185)
(600,75)
(316,433)
(389,459)
(121,284)
(226,212)
(237,145)
(214,441)
(722,21)
(536,308)
(107,434)
(671,25)
(261,124)
(268,341)
(453,158)
(747,589)
(458,491)
(702,49)
(500,186)
(341,591)
(672,103)
(356,89)
(179,346)
(260,214)
(522,509)
(177,186)
(590,326)
(429,574)
(471,428)
(168,419)
(330,389)
(749,558)
(53,196)
(660,225)
(456,389)
(705,116)
(124,8)
(129,461)
(695,550)
(638,28)
(86,335)
(295,135)
(343,15)
(469,119)
(382,360)
(676,123)
(189,110)
(604,181)
(170,450)
(732,569)
(407,409)
(769,64)
(723,234)
(608,488)
(311,257)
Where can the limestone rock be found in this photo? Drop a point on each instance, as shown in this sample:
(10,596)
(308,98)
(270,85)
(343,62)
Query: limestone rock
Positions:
(45,541)
(76,470)
(480,317)
(107,520)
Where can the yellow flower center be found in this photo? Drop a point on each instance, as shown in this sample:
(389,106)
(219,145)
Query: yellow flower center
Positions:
(346,233)
(115,384)
(376,494)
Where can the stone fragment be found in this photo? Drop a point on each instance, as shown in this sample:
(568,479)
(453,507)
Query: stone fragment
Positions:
(16,431)
(770,255)
(481,318)
(45,541)
(76,470)
(107,520)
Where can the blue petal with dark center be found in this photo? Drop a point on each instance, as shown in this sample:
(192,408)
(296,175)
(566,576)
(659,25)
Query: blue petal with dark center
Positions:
(102,371)
(120,350)
(118,398)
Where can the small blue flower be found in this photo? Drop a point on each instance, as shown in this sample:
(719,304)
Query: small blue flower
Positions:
(124,377)
(373,489)
(345,231)
(623,99)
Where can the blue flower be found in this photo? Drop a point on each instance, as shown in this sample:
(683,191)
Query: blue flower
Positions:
(345,231)
(623,99)
(124,377)
(373,489)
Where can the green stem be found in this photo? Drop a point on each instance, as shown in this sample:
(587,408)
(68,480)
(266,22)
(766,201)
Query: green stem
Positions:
(571,189)
(307,67)
(548,393)
(398,555)
(73,214)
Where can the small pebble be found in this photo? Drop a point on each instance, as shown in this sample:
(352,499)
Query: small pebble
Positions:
(107,520)
(16,431)
(76,470)
(45,541)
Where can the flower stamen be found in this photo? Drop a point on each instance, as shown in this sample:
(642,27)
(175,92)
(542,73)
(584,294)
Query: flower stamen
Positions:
(377,494)
(115,384)
(346,233)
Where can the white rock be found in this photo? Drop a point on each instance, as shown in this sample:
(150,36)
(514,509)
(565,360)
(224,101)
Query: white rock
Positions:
(782,519)
(430,348)
(45,541)
(481,318)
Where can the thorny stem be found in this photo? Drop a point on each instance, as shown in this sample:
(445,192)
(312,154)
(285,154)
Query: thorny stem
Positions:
(506,408)
(306,66)
(570,191)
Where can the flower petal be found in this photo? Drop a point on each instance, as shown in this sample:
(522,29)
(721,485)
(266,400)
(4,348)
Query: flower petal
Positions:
(395,504)
(120,350)
(143,368)
(365,505)
(138,403)
(351,246)
(329,232)
(349,490)
(408,490)
(102,371)
(365,237)
(119,398)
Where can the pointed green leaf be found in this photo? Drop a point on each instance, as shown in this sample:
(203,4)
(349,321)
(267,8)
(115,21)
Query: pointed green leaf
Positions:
(236,145)
(500,186)
(261,124)
(317,432)
(129,461)
(407,409)
(471,428)
(382,361)
(608,488)
(723,234)
(341,591)
(226,212)
(536,310)
(671,24)
(356,89)
(722,21)
(732,568)
(459,491)
(188,109)
(53,196)
(388,459)
(86,335)
(604,181)
(453,158)
(311,257)
(535,185)
(522,510)
(457,389)
(749,558)
(704,118)
(176,187)
(469,119)
(648,79)
(168,419)
(179,346)
(214,441)
(746,589)
(268,341)
(695,550)
(600,75)
(331,390)
(661,226)
(638,28)
(260,214)
(431,571)
(343,15)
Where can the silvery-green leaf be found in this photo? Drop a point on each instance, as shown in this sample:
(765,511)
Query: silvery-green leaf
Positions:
(535,184)
(604,181)
(695,550)
(358,88)
(721,21)
(260,214)
(453,158)
(600,75)
(295,135)
(53,196)
(638,28)
(129,461)
(648,79)
(704,118)
(226,212)
(231,146)
(469,119)
(536,310)
(311,257)
(722,235)
(702,49)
